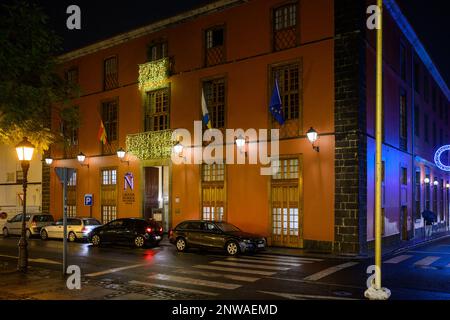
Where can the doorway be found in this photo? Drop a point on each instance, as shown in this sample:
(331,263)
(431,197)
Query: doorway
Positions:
(156,195)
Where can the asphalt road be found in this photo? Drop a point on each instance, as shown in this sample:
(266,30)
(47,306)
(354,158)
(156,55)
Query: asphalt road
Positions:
(422,273)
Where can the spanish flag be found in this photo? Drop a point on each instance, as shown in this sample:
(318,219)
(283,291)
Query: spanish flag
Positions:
(102,133)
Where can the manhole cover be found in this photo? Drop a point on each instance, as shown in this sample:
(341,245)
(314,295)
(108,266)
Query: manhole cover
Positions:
(342,293)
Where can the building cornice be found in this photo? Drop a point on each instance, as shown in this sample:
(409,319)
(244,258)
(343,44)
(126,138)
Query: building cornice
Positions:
(412,37)
(151,28)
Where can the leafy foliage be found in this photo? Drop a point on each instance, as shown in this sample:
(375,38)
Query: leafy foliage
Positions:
(30,87)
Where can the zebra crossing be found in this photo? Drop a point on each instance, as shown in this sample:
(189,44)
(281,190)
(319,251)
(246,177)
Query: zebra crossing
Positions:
(419,261)
(219,275)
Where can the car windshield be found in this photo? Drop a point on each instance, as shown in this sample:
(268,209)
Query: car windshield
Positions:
(227,227)
(91,222)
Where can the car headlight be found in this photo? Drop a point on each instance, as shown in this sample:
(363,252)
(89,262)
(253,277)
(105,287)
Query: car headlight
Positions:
(246,241)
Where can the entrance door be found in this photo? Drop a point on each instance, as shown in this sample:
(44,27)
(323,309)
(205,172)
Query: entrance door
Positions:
(285,193)
(151,191)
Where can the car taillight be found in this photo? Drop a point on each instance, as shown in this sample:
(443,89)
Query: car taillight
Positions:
(170,232)
(160,229)
(149,230)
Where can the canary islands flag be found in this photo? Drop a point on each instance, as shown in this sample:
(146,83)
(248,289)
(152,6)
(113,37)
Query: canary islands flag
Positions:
(276,105)
(206,120)
(102,133)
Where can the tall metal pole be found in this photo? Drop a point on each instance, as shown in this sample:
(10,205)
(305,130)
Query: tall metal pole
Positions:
(379,145)
(64,220)
(22,264)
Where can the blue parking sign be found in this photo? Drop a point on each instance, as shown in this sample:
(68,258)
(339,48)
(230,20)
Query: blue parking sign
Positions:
(88,200)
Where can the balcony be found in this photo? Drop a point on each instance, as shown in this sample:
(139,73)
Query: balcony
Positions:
(154,74)
(151,145)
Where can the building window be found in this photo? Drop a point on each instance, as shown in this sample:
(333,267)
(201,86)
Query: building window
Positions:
(289,83)
(108,195)
(72,75)
(403,61)
(215,101)
(157,110)
(434,135)
(426,128)
(403,122)
(70,135)
(157,51)
(110,74)
(434,98)
(285,31)
(72,196)
(417,195)
(417,121)
(215,46)
(285,199)
(417,76)
(426,88)
(110,122)
(213,192)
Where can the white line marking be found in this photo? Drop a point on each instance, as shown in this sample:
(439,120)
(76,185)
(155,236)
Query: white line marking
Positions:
(265,262)
(286,257)
(298,296)
(217,275)
(39,260)
(172,288)
(327,272)
(217,268)
(398,259)
(195,282)
(247,265)
(275,259)
(426,261)
(428,252)
(95,274)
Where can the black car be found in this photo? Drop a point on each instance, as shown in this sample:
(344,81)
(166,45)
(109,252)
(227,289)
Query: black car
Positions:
(215,235)
(138,232)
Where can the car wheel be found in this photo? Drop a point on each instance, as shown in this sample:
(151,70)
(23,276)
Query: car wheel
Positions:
(44,235)
(181,244)
(28,233)
(139,241)
(232,248)
(5,232)
(72,237)
(96,240)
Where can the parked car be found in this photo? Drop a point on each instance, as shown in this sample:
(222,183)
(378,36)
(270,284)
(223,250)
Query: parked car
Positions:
(138,232)
(77,229)
(33,224)
(215,235)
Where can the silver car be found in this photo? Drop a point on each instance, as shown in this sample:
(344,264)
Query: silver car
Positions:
(77,228)
(33,224)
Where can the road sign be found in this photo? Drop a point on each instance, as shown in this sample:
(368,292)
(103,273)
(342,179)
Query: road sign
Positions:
(88,200)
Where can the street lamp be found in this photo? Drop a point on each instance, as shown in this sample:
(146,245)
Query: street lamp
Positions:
(81,157)
(178,149)
(25,152)
(312,137)
(48,161)
(121,155)
(426,180)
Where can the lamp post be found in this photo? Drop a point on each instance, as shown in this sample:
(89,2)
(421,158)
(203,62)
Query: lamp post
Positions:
(25,152)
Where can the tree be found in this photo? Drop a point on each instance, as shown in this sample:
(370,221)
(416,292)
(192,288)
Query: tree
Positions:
(31,89)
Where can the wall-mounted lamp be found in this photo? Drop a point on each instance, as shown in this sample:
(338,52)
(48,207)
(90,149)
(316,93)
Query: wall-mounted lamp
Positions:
(240,143)
(48,161)
(312,137)
(436,183)
(426,180)
(447,185)
(121,155)
(81,157)
(178,149)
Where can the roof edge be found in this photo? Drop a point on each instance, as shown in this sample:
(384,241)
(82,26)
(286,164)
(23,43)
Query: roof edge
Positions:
(148,29)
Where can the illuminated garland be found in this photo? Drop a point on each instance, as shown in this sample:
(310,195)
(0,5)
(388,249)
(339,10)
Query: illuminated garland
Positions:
(437,158)
(150,145)
(153,75)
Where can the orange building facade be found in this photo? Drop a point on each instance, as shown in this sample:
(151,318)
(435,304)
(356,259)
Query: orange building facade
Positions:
(145,84)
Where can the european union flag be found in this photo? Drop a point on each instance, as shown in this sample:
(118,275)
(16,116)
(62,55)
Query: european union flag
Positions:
(276,105)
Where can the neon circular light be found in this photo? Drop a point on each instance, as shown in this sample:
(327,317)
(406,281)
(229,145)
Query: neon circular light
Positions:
(437,158)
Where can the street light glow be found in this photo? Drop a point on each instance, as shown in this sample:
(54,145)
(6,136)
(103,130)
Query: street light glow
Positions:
(121,153)
(25,150)
(81,157)
(48,161)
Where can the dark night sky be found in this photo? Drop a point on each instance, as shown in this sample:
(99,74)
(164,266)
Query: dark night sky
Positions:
(102,19)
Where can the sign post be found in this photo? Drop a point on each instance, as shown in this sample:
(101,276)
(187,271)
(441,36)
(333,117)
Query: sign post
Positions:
(64,175)
(89,202)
